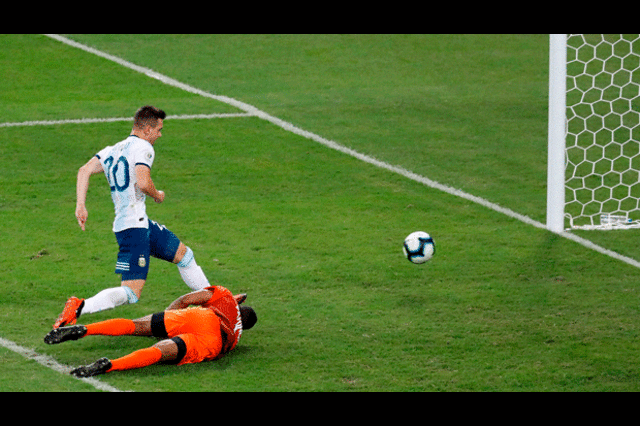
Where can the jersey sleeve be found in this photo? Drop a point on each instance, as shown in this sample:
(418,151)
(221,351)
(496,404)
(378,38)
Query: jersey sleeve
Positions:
(218,293)
(103,154)
(143,154)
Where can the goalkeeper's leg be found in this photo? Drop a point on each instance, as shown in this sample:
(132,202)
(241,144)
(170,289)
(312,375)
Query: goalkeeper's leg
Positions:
(166,350)
(112,327)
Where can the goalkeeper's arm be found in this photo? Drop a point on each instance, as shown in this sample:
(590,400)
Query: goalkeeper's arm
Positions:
(199,297)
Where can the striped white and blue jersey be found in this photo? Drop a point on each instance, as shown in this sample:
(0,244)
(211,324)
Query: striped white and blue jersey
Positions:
(119,163)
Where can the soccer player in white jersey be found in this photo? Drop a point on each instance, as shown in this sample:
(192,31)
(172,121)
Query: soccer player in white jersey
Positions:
(127,166)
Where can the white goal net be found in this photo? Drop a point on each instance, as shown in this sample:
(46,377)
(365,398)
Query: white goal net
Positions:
(602,157)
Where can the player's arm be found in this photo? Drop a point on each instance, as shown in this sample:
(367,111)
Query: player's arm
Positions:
(92,167)
(146,185)
(199,297)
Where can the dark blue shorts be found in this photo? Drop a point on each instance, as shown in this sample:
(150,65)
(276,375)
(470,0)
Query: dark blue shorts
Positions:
(138,244)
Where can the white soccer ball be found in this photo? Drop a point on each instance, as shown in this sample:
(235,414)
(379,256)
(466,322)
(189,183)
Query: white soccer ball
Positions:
(419,247)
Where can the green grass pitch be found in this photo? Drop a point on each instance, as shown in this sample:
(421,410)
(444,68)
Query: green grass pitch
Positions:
(312,235)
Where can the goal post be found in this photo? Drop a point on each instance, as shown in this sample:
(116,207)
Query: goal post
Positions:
(557,142)
(593,169)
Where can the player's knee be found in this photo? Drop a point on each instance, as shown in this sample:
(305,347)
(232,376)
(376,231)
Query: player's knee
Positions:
(169,350)
(180,252)
(186,259)
(132,295)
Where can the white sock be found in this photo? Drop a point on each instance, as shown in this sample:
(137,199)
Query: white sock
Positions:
(191,273)
(109,299)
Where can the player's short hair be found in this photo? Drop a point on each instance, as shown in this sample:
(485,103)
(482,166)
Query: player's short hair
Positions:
(148,116)
(248,316)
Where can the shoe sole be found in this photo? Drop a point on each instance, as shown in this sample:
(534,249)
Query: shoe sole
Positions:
(64,334)
(99,367)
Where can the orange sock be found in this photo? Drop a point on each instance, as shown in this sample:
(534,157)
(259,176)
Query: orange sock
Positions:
(112,327)
(138,359)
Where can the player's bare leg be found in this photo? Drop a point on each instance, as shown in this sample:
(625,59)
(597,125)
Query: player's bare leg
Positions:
(135,285)
(182,250)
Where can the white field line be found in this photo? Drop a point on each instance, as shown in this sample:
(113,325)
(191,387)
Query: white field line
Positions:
(53,364)
(253,111)
(115,119)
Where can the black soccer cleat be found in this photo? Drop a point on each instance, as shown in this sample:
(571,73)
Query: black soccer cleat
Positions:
(99,367)
(62,334)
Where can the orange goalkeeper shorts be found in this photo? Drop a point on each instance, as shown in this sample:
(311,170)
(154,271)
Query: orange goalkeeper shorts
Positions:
(199,329)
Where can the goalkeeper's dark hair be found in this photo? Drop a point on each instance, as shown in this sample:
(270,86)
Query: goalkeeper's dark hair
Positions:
(148,116)
(248,316)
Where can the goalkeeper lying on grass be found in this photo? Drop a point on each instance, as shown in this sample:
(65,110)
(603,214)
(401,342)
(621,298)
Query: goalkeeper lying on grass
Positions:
(193,334)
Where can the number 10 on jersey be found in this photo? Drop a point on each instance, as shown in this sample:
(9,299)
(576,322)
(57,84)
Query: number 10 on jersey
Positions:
(117,181)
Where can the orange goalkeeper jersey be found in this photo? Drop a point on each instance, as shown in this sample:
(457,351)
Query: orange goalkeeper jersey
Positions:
(223,304)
